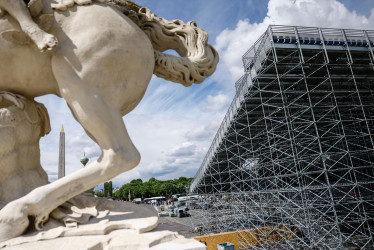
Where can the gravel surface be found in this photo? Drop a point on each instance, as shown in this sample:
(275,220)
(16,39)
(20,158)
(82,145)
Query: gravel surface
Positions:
(181,225)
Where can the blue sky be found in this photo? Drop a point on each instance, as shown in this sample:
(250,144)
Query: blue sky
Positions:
(173,126)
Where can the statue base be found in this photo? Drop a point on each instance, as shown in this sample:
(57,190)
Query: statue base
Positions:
(118,239)
(98,223)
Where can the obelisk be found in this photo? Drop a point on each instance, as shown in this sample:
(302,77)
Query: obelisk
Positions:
(61,156)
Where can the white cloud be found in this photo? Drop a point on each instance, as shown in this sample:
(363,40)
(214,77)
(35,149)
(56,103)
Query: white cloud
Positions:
(162,142)
(186,149)
(180,160)
(203,132)
(321,13)
(215,103)
(76,140)
(51,172)
(232,44)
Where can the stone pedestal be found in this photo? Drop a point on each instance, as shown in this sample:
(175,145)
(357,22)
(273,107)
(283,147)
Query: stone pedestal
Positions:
(98,223)
(124,239)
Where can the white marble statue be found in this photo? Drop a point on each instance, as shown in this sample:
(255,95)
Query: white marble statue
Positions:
(22,123)
(105,57)
(21,127)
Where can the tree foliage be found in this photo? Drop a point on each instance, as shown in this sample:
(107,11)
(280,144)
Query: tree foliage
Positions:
(105,189)
(108,189)
(152,188)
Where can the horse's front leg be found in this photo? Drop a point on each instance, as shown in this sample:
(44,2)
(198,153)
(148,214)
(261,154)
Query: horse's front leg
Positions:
(103,122)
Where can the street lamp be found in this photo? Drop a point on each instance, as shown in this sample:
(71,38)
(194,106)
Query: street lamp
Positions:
(84,161)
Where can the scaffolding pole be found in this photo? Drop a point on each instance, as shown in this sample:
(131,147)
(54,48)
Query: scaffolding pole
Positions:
(292,165)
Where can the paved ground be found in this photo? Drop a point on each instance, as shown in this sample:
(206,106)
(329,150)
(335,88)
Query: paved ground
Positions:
(181,225)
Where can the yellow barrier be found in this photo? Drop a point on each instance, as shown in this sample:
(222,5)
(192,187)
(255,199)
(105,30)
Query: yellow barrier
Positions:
(246,238)
(214,239)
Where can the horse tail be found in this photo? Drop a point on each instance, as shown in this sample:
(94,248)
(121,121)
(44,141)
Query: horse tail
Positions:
(197,59)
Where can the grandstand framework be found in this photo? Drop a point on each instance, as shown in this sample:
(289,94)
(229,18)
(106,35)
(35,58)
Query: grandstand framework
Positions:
(292,164)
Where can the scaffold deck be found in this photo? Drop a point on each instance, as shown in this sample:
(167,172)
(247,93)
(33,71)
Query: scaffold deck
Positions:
(293,159)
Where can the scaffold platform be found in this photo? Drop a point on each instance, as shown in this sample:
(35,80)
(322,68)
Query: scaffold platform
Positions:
(294,154)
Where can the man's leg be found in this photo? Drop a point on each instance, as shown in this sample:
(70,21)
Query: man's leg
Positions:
(18,10)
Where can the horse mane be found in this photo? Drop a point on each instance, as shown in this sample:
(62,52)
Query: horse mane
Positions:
(197,61)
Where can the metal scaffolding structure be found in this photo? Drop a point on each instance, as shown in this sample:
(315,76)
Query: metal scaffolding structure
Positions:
(292,164)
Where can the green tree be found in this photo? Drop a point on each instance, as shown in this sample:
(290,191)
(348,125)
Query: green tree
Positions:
(99,194)
(117,194)
(152,180)
(152,188)
(144,190)
(183,179)
(136,182)
(125,192)
(105,189)
(110,188)
(168,189)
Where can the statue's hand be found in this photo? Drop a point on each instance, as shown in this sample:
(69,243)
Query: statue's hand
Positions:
(17,100)
(64,4)
(13,220)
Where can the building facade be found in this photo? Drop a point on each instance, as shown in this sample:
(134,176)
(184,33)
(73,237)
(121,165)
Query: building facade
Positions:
(292,165)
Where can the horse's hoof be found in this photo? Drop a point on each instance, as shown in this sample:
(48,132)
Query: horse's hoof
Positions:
(49,42)
(13,220)
(10,231)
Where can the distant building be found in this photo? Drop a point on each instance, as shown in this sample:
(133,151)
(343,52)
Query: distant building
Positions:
(61,156)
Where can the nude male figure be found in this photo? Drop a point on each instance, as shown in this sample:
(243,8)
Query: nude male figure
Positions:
(18,10)
(21,127)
